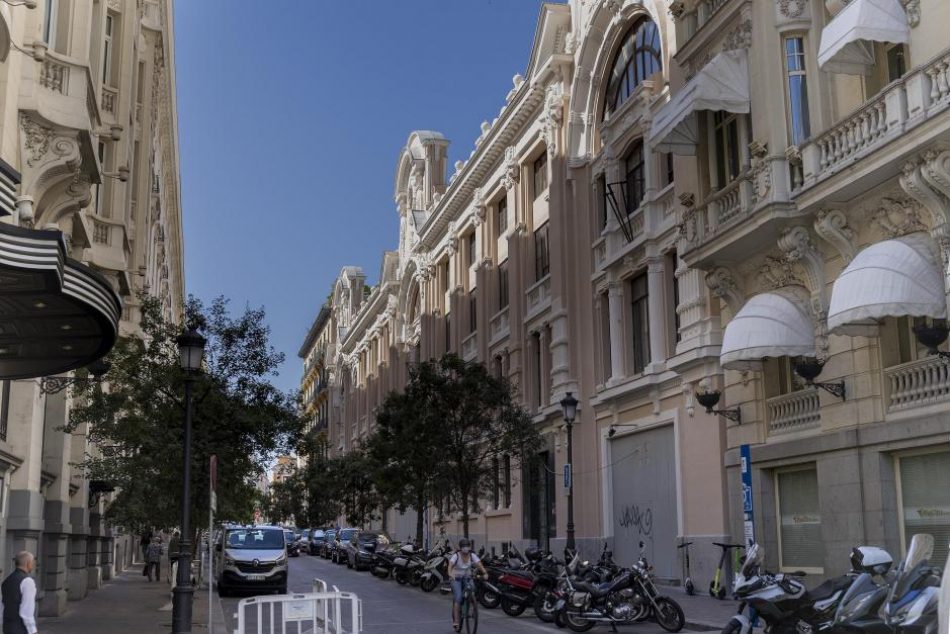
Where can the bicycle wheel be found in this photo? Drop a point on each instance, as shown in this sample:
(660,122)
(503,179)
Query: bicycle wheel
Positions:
(471,614)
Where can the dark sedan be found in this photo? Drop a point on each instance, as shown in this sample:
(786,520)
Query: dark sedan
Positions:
(329,543)
(338,556)
(361,548)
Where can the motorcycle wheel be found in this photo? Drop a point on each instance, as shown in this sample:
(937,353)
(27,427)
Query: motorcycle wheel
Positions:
(400,578)
(489,599)
(690,588)
(732,627)
(669,615)
(577,623)
(544,607)
(559,620)
(511,608)
(429,583)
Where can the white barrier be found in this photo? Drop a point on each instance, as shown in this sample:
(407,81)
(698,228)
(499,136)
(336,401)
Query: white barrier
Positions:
(314,613)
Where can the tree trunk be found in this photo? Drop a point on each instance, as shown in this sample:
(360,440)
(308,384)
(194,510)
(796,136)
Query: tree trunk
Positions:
(420,517)
(465,514)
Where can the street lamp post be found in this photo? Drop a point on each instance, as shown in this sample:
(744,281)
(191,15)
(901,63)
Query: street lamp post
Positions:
(569,408)
(190,351)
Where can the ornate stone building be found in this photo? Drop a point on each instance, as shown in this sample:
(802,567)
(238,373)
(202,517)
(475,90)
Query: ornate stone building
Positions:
(88,123)
(669,190)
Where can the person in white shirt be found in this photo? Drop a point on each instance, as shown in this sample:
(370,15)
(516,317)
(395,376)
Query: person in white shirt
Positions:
(19,597)
(461,565)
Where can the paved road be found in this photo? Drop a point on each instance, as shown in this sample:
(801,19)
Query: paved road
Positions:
(390,608)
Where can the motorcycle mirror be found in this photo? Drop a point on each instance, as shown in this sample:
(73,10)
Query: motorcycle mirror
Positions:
(641,544)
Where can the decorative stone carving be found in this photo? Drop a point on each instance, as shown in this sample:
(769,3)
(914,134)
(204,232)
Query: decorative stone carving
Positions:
(761,172)
(739,37)
(677,9)
(553,116)
(36,139)
(832,226)
(115,5)
(912,8)
(478,202)
(798,247)
(898,216)
(688,231)
(723,285)
(512,169)
(791,9)
(613,6)
(776,273)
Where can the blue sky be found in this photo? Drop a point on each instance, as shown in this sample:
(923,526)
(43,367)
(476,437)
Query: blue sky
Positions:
(292,114)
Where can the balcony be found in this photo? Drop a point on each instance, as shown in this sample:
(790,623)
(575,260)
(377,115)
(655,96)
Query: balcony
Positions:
(539,297)
(917,384)
(470,347)
(60,89)
(721,210)
(798,411)
(904,104)
(498,327)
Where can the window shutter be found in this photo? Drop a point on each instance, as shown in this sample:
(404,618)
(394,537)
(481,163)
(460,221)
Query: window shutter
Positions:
(800,519)
(926,507)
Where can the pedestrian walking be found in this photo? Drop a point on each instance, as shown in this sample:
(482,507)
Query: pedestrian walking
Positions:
(19,597)
(153,559)
(144,543)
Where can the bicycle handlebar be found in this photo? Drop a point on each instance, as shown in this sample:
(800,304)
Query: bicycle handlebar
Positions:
(728,545)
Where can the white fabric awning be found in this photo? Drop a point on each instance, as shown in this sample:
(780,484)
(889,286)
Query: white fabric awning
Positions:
(722,84)
(847,41)
(893,278)
(775,324)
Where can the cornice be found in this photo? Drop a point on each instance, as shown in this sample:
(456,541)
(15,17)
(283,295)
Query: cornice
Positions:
(366,317)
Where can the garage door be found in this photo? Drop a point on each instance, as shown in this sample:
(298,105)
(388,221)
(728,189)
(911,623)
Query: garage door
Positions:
(643,478)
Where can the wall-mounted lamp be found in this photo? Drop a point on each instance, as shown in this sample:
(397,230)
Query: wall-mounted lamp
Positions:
(613,428)
(809,368)
(53,384)
(709,400)
(932,336)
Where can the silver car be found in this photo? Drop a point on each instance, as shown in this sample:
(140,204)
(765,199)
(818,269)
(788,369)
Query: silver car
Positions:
(251,558)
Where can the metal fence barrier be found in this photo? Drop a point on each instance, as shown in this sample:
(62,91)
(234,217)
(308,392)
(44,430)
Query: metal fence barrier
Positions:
(322,611)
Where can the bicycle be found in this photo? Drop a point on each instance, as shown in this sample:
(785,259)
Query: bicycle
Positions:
(468,609)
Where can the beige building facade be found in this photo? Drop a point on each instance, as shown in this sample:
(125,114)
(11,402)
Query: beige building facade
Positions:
(88,126)
(670,190)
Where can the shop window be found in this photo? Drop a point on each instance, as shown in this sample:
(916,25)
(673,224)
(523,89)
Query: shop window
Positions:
(541,174)
(638,58)
(925,508)
(799,514)
(797,89)
(640,323)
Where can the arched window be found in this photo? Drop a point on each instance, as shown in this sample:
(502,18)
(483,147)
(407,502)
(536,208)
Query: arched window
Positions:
(638,58)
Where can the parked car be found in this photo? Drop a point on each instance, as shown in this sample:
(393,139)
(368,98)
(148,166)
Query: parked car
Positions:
(360,549)
(303,542)
(317,541)
(291,543)
(342,538)
(251,558)
(329,543)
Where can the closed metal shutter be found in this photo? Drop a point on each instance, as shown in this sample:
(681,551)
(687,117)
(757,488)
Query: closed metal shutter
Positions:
(925,500)
(800,519)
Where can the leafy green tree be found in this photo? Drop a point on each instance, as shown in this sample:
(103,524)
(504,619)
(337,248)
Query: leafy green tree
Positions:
(353,478)
(137,421)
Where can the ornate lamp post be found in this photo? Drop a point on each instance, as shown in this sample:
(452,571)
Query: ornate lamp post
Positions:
(569,408)
(191,346)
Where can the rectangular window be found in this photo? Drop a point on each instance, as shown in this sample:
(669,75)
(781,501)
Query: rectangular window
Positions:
(602,215)
(448,333)
(925,508)
(445,277)
(501,215)
(635,178)
(99,192)
(50,19)
(799,520)
(472,312)
(536,362)
(503,285)
(542,256)
(605,335)
(496,483)
(470,240)
(4,408)
(640,312)
(668,175)
(541,174)
(506,479)
(797,89)
(107,51)
(896,62)
(671,264)
(726,132)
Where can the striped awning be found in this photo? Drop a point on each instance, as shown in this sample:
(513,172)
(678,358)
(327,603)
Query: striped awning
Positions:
(9,182)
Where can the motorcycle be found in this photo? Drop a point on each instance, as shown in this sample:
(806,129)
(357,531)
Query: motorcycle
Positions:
(911,604)
(486,590)
(383,562)
(436,569)
(407,565)
(860,606)
(618,602)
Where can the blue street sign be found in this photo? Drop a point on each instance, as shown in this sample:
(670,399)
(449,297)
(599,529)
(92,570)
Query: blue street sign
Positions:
(748,524)
(567,476)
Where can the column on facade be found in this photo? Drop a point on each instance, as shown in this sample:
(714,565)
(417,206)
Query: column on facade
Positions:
(517,335)
(57,454)
(544,376)
(77,581)
(25,503)
(659,328)
(615,314)
(483,300)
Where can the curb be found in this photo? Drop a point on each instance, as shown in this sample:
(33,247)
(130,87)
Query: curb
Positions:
(218,624)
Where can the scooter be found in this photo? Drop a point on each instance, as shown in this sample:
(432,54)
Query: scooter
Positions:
(911,605)
(687,579)
(717,587)
(436,568)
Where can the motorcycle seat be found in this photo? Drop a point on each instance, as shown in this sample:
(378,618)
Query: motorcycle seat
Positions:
(828,588)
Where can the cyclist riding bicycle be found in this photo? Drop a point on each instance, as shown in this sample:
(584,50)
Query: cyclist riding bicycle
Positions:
(460,570)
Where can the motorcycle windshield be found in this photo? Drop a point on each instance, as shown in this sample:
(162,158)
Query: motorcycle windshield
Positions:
(863,585)
(918,553)
(753,559)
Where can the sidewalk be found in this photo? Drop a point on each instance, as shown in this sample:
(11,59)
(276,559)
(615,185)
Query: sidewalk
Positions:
(128,603)
(703,613)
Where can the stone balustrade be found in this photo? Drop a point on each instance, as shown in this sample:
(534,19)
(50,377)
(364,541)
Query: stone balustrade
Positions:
(539,296)
(797,411)
(470,347)
(917,383)
(109,98)
(498,327)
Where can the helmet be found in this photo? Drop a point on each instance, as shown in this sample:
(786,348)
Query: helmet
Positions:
(465,542)
(871,559)
(533,553)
